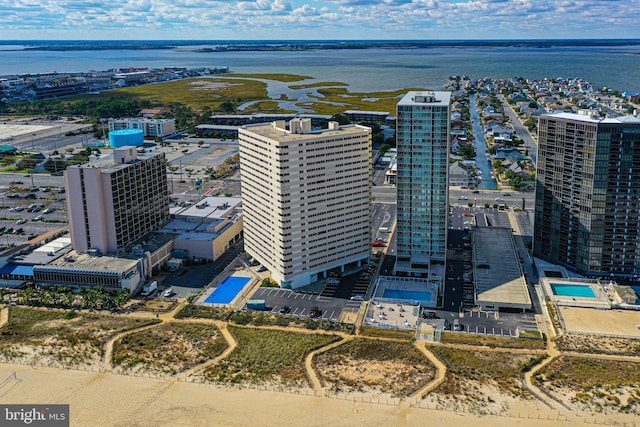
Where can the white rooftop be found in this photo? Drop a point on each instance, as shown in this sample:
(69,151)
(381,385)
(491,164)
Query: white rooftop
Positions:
(585,117)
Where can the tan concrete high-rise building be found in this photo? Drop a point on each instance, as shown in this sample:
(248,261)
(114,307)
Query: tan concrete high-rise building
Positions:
(115,200)
(306,198)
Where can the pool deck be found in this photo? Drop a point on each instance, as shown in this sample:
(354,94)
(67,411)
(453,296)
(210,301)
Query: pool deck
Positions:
(601,299)
(407,284)
(239,296)
(381,314)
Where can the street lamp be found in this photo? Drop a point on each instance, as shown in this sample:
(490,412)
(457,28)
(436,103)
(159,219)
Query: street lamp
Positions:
(33,146)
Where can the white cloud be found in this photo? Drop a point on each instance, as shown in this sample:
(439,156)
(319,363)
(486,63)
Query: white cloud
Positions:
(358,19)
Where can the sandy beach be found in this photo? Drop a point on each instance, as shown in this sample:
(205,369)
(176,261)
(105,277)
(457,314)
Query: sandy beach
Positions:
(104,399)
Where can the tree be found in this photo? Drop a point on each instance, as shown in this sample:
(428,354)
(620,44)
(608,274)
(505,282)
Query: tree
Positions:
(530,123)
(228,107)
(341,119)
(467,152)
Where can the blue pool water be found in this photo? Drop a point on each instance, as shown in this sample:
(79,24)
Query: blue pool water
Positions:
(583,291)
(408,295)
(227,290)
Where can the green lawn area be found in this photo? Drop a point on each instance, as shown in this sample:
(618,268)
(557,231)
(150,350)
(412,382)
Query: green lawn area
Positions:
(266,356)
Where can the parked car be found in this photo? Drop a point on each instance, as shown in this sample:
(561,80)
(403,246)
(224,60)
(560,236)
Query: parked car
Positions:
(21,221)
(378,244)
(38,218)
(284,310)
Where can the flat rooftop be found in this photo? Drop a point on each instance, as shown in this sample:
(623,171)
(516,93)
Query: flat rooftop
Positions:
(426,98)
(89,262)
(211,208)
(499,279)
(269,130)
(107,163)
(587,118)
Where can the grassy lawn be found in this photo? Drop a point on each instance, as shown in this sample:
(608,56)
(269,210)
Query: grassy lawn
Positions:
(466,370)
(594,384)
(66,336)
(265,356)
(492,341)
(169,348)
(397,368)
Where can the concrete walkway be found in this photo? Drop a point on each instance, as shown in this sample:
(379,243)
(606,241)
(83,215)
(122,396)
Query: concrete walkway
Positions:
(4,315)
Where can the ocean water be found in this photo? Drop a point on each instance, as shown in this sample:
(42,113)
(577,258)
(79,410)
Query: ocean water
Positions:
(365,70)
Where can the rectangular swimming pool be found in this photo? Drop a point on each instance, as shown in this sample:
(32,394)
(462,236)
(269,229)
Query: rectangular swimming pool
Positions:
(227,290)
(564,290)
(408,295)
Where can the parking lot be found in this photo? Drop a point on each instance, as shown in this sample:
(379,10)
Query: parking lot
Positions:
(486,322)
(301,304)
(26,213)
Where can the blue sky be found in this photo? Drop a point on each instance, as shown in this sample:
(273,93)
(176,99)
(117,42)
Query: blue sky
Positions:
(327,19)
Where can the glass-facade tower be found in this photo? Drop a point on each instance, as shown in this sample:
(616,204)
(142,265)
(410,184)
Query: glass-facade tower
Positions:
(422,136)
(587,212)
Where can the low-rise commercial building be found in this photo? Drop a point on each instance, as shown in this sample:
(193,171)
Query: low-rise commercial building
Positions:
(207,229)
(152,128)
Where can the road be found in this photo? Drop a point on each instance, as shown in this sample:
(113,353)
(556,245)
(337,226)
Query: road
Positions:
(482,197)
(521,130)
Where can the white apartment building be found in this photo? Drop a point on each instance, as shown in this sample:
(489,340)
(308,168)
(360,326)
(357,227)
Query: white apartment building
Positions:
(115,200)
(306,198)
(422,136)
(151,127)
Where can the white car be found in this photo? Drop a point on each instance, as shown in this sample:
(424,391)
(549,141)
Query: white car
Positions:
(169,293)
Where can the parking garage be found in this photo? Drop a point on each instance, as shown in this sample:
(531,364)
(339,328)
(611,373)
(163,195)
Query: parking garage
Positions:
(497,272)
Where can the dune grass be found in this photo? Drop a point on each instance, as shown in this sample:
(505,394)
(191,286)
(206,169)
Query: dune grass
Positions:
(492,341)
(266,356)
(169,348)
(595,384)
(397,368)
(66,336)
